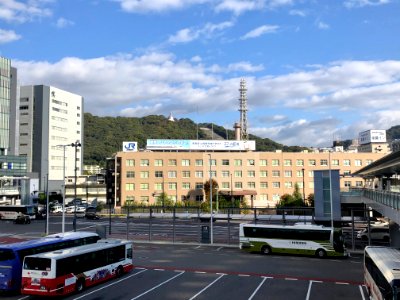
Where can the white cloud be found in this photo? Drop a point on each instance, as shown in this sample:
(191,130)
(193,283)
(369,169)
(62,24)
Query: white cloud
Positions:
(137,6)
(241,6)
(297,12)
(260,31)
(322,25)
(63,23)
(208,31)
(8,36)
(158,83)
(21,12)
(362,3)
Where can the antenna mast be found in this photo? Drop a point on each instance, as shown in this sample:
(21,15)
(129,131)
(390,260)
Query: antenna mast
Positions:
(243,110)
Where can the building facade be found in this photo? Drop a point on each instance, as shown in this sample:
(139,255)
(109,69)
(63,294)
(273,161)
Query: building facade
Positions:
(260,177)
(50,121)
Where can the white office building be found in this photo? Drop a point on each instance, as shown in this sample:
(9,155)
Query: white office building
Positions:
(50,118)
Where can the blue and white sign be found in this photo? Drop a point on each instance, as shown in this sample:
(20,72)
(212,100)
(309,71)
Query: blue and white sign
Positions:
(228,145)
(129,146)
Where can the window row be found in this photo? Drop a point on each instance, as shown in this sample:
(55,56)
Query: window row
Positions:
(249,162)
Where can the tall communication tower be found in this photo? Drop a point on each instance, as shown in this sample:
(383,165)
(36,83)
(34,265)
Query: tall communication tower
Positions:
(243,110)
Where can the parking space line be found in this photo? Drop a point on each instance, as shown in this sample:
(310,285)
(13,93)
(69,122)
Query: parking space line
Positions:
(309,289)
(207,286)
(111,284)
(258,287)
(362,292)
(157,286)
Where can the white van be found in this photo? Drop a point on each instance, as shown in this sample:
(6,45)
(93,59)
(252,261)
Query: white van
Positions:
(377,233)
(57,209)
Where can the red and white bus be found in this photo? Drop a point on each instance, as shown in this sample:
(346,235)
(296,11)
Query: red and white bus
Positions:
(382,272)
(65,271)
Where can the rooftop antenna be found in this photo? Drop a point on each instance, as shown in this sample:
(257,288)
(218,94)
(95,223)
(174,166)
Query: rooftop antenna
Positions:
(243,110)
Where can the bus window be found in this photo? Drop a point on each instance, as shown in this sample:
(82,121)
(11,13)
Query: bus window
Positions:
(41,264)
(6,254)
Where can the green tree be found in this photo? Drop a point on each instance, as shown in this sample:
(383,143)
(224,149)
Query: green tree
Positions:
(206,188)
(164,200)
(310,200)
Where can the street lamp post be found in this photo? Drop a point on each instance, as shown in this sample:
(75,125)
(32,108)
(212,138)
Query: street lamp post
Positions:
(211,210)
(63,189)
(304,194)
(76,145)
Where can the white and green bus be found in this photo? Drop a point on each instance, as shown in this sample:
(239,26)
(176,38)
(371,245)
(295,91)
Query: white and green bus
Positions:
(292,239)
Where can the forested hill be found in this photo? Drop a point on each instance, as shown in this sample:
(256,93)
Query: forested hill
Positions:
(104,135)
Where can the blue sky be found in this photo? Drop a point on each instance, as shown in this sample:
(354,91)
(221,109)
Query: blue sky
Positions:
(316,70)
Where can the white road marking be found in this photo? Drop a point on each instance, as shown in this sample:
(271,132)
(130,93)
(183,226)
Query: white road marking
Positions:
(207,287)
(362,292)
(258,287)
(157,286)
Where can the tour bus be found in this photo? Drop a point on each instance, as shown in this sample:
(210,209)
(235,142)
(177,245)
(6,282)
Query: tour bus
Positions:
(61,272)
(12,255)
(382,272)
(10,212)
(292,239)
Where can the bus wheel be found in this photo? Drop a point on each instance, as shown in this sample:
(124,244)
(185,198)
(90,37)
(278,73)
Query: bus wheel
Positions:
(119,271)
(80,285)
(266,250)
(320,253)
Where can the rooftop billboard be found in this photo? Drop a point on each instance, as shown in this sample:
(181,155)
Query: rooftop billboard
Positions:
(214,145)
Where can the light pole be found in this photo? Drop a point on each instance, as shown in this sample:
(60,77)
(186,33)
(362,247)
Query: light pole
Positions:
(304,194)
(47,204)
(211,210)
(63,188)
(76,145)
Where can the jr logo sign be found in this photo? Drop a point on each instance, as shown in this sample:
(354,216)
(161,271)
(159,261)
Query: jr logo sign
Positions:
(129,146)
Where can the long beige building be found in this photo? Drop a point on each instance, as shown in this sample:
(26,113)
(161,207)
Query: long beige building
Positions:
(261,177)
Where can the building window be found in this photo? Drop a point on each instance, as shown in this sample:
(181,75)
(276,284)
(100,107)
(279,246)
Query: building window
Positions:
(359,184)
(251,185)
(185,174)
(288,173)
(213,173)
(346,162)
(172,162)
(368,162)
(263,173)
(238,185)
(130,174)
(238,174)
(144,163)
(199,162)
(263,162)
(144,199)
(324,162)
(299,162)
(158,163)
(358,163)
(213,162)
(225,162)
(263,184)
(347,183)
(185,162)
(251,162)
(311,174)
(158,174)
(226,185)
(275,162)
(237,162)
(186,185)
(299,173)
(347,173)
(144,174)
(130,200)
(199,185)
(198,174)
(288,184)
(199,198)
(129,186)
(171,174)
(276,184)
(287,162)
(335,162)
(144,186)
(300,184)
(276,173)
(312,162)
(172,186)
(225,174)
(158,186)
(251,173)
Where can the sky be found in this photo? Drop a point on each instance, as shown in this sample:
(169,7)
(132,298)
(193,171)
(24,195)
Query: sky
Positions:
(316,70)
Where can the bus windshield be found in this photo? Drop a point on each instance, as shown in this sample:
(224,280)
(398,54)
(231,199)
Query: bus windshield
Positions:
(6,254)
(39,264)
